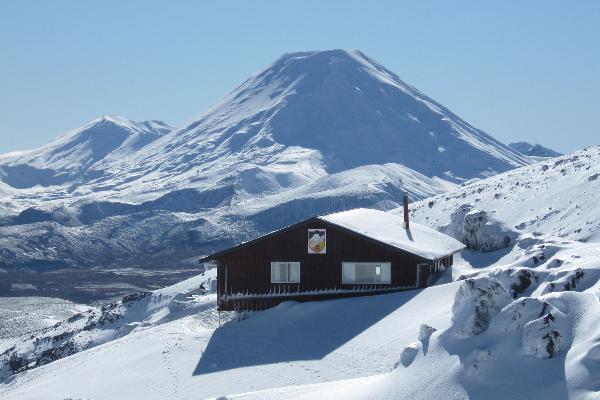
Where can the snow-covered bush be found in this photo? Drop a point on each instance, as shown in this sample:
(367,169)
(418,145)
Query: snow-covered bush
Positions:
(478,230)
(545,337)
(517,314)
(575,280)
(516,280)
(475,303)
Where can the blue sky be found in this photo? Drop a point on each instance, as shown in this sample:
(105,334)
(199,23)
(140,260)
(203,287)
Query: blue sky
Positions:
(520,70)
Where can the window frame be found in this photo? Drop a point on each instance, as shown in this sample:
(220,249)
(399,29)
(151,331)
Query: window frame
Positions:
(289,264)
(381,264)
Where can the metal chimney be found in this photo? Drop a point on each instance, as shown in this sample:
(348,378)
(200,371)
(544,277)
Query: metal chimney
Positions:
(405,201)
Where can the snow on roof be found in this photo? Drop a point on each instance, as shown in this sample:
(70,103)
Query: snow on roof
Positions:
(389,228)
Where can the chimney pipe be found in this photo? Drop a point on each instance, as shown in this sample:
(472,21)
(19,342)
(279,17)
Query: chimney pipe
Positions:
(405,200)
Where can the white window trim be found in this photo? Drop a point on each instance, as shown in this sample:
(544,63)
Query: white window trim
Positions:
(286,262)
(382,263)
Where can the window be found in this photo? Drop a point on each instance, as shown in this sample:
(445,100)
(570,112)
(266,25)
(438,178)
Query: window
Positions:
(285,272)
(366,272)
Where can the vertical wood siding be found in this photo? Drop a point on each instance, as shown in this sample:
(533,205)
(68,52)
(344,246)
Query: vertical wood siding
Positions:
(248,268)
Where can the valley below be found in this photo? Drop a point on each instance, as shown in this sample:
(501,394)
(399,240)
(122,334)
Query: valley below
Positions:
(90,285)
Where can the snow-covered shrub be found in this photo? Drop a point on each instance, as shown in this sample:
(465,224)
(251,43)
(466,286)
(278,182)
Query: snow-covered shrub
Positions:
(517,314)
(516,280)
(477,230)
(544,337)
(475,303)
(574,280)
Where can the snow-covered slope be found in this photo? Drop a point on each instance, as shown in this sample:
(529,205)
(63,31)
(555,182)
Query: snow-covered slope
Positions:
(94,326)
(556,196)
(542,344)
(22,316)
(523,324)
(192,357)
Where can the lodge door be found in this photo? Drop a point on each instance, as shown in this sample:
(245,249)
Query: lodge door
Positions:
(422,275)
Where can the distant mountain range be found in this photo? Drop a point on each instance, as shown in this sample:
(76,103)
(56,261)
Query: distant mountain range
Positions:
(535,150)
(314,132)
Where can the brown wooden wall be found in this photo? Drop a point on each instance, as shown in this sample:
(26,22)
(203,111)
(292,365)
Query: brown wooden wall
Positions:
(249,266)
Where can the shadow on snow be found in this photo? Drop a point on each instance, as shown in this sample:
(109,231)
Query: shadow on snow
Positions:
(295,331)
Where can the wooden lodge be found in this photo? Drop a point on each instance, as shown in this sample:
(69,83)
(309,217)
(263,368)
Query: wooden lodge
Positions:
(350,253)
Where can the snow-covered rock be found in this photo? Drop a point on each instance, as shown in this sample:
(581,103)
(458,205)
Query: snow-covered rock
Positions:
(477,230)
(425,332)
(476,302)
(577,279)
(409,354)
(517,281)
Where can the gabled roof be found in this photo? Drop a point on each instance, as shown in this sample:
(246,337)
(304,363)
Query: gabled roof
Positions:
(389,229)
(380,226)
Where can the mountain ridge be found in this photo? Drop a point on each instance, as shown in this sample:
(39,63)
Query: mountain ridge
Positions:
(535,150)
(312,133)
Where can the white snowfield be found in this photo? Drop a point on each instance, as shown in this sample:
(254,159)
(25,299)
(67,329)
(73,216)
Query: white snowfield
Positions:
(389,229)
(191,358)
(542,344)
(414,344)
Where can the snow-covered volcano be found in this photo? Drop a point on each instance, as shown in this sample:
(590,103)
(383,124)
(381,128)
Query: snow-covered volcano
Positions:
(66,159)
(305,116)
(313,133)
(317,113)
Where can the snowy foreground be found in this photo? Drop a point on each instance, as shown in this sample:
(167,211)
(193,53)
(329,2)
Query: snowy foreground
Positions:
(525,323)
(20,316)
(519,322)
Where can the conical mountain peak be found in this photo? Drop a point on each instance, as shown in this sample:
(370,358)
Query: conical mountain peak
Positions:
(354,112)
